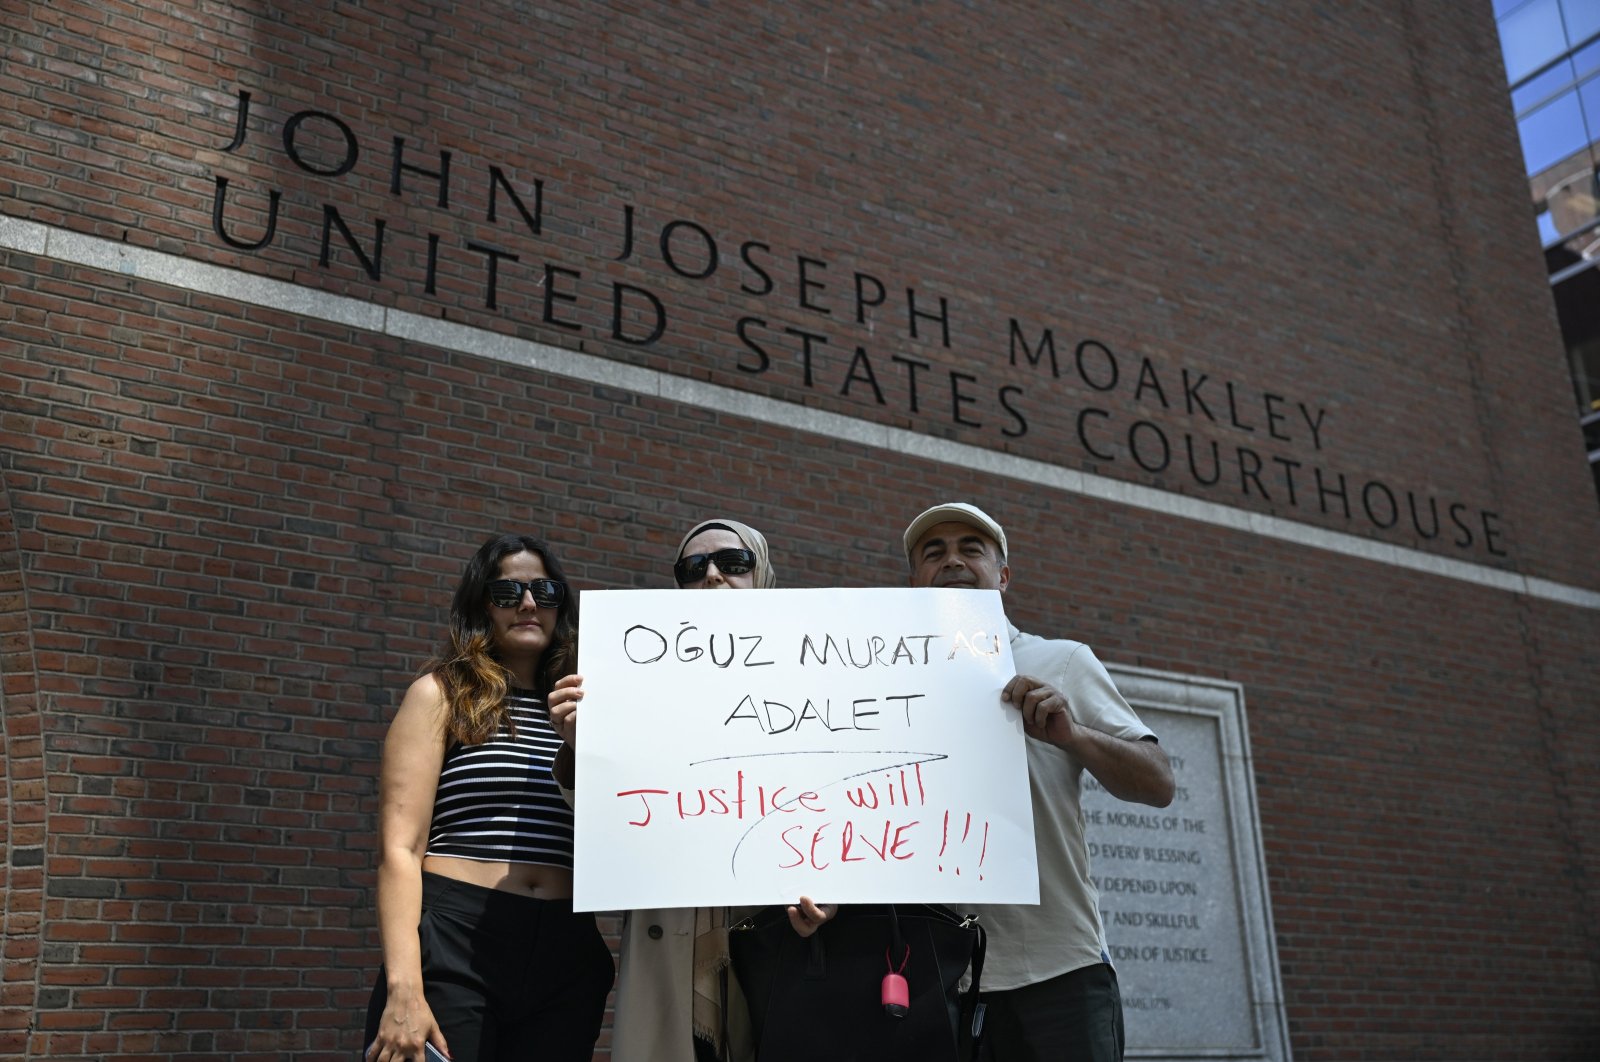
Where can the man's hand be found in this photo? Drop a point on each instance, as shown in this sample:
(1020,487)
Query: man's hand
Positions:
(1137,771)
(1044,710)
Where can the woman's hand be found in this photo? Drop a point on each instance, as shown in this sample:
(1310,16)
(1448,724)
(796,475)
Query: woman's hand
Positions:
(407,1024)
(563,704)
(808,917)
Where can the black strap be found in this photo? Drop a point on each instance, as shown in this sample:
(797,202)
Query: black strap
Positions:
(979,1009)
(977,957)
(722,1011)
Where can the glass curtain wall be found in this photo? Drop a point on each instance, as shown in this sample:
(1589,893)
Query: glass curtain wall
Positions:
(1552,58)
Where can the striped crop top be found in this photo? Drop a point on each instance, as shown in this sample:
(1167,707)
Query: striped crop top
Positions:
(498,801)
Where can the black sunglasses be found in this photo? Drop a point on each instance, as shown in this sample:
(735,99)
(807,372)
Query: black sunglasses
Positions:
(692,569)
(507,593)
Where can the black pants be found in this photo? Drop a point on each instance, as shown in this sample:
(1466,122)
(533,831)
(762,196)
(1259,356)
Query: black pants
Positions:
(509,978)
(1076,1017)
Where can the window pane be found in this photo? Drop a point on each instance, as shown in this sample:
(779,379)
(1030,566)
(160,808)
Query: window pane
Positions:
(1552,133)
(1587,60)
(1571,201)
(1583,19)
(1589,93)
(1530,37)
(1547,229)
(1537,90)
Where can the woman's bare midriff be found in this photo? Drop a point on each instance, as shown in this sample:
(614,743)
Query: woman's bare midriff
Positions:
(524,879)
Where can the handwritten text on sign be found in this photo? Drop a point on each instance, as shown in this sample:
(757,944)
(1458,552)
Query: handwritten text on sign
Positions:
(752,747)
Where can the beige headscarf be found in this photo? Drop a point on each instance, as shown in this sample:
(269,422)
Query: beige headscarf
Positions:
(766,578)
(711,923)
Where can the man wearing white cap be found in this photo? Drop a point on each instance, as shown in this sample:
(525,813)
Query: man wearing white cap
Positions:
(1048,983)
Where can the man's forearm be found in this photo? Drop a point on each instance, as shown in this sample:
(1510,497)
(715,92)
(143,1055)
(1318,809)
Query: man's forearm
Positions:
(1136,771)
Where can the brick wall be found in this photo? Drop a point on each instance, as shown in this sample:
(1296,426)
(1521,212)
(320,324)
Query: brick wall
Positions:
(228,531)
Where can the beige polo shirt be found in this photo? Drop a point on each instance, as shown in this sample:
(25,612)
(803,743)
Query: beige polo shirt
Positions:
(1063,933)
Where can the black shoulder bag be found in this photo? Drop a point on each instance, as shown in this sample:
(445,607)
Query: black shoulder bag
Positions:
(878,983)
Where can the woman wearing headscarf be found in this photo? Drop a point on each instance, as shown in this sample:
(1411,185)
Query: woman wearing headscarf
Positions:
(677,1000)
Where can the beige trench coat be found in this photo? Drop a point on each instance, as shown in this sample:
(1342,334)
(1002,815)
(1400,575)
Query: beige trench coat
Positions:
(655,991)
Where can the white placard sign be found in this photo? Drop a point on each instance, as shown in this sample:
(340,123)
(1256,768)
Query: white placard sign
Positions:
(750,748)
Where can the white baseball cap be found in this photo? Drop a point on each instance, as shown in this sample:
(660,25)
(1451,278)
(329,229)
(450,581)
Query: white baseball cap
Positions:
(960,512)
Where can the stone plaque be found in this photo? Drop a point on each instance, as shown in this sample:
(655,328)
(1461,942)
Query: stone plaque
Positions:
(1183,889)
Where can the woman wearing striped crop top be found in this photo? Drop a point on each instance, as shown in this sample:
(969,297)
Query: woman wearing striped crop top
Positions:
(669,993)
(483,955)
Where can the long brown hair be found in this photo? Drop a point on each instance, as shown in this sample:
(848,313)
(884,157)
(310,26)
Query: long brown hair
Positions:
(475,683)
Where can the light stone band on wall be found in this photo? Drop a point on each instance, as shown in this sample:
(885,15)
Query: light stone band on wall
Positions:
(95,252)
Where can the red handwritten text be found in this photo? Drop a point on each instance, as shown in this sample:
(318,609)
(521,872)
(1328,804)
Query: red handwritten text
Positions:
(848,840)
(740,800)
